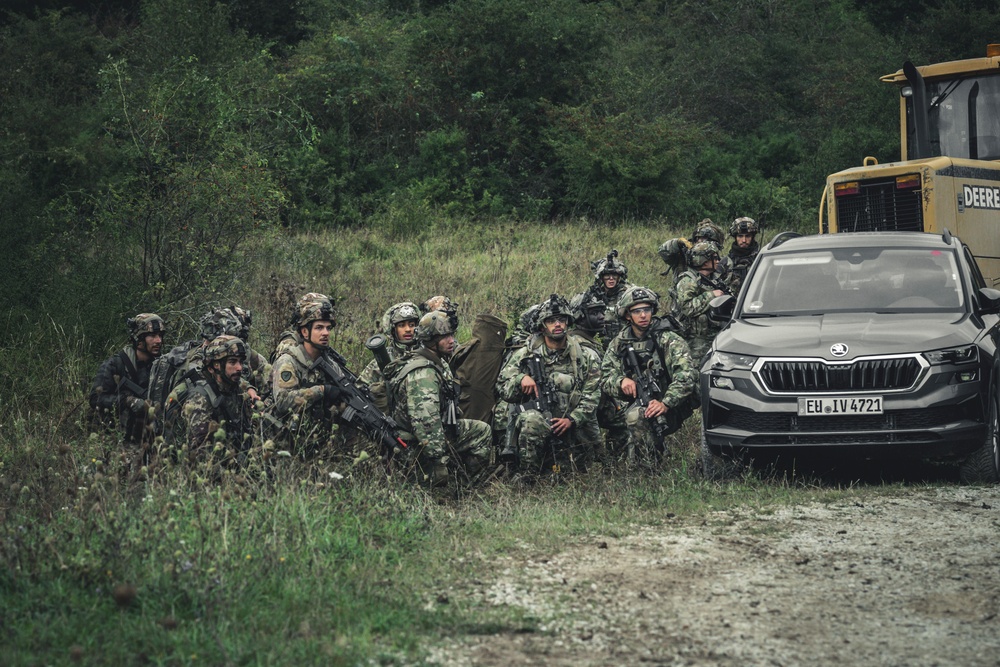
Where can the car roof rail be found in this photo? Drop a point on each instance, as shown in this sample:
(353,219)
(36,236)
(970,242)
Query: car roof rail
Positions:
(781,238)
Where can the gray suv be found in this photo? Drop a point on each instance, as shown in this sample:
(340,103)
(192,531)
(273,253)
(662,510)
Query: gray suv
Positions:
(867,343)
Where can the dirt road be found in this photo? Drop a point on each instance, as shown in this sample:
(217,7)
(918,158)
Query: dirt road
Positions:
(912,579)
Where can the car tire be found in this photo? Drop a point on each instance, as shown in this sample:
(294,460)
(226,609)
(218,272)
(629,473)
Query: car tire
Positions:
(983,465)
(716,468)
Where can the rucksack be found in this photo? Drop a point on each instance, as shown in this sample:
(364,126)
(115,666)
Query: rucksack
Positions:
(165,374)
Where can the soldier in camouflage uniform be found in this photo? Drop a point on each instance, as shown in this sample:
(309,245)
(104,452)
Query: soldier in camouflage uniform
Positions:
(118,395)
(257,369)
(610,283)
(304,398)
(695,288)
(399,325)
(565,436)
(290,337)
(445,305)
(209,416)
(425,396)
(665,359)
(743,252)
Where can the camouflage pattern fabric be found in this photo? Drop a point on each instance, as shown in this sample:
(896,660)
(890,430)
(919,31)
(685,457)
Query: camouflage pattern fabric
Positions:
(287,340)
(576,374)
(210,425)
(609,414)
(693,299)
(612,325)
(257,372)
(738,262)
(668,359)
(297,385)
(419,383)
(118,393)
(373,378)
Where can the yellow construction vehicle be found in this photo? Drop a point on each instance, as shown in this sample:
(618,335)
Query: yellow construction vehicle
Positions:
(949,176)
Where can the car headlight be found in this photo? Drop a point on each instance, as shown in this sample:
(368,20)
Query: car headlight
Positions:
(965,354)
(725,361)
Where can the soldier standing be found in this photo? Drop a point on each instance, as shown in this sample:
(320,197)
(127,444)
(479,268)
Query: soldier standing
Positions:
(610,283)
(118,395)
(695,288)
(647,354)
(209,416)
(744,250)
(425,397)
(557,382)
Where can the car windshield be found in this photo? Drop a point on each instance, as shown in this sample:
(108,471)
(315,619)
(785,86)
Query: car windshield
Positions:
(854,280)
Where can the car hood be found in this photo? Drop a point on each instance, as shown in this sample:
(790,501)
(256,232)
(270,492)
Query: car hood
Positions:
(864,334)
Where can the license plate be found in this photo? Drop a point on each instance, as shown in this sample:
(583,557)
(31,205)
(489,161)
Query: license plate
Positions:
(836,405)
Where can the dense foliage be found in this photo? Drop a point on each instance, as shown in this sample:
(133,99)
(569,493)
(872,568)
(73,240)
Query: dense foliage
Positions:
(143,143)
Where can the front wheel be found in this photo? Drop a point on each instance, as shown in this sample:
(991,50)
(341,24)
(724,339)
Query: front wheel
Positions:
(983,465)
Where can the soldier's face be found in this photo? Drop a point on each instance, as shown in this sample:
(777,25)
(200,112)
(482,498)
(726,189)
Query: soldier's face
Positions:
(744,240)
(445,346)
(708,268)
(233,370)
(555,327)
(640,316)
(151,344)
(404,331)
(610,280)
(595,318)
(319,333)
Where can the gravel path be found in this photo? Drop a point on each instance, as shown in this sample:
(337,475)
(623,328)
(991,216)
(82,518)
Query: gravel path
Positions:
(911,579)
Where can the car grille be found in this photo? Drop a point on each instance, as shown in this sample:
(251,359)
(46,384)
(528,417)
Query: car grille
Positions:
(880,206)
(816,376)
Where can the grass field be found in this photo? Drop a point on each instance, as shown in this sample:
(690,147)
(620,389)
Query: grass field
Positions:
(303,566)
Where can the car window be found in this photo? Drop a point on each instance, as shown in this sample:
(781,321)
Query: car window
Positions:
(855,280)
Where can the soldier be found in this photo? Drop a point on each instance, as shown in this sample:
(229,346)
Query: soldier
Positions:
(610,283)
(209,415)
(425,398)
(290,337)
(304,398)
(398,326)
(588,321)
(695,289)
(257,369)
(648,354)
(118,395)
(706,230)
(445,305)
(557,382)
(744,250)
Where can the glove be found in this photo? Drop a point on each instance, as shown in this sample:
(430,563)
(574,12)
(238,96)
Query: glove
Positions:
(331,393)
(135,405)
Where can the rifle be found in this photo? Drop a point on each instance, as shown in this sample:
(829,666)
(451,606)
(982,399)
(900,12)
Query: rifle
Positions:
(545,401)
(360,411)
(646,390)
(715,284)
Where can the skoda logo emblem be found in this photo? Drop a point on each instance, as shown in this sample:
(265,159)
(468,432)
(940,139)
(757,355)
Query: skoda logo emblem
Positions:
(838,349)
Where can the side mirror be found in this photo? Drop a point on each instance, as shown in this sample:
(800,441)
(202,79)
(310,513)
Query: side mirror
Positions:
(989,301)
(720,309)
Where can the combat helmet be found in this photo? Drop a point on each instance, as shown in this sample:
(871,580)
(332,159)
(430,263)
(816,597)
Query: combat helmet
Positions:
(432,325)
(445,305)
(401,312)
(744,226)
(528,319)
(551,307)
(246,320)
(637,294)
(609,264)
(706,230)
(144,324)
(318,307)
(218,322)
(225,346)
(702,252)
(581,303)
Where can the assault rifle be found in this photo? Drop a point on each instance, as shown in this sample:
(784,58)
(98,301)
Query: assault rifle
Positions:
(544,402)
(715,284)
(646,389)
(360,411)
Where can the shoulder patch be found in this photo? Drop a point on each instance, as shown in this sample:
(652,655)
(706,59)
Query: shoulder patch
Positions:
(286,376)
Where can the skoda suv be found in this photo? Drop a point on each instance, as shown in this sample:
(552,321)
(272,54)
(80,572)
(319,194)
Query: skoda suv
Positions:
(868,343)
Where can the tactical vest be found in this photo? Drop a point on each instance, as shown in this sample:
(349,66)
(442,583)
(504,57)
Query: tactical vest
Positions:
(397,370)
(164,376)
(237,425)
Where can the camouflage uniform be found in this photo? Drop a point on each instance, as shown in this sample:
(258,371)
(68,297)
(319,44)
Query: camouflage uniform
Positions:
(609,264)
(575,375)
(737,264)
(209,421)
(118,393)
(424,394)
(666,356)
(693,295)
(372,376)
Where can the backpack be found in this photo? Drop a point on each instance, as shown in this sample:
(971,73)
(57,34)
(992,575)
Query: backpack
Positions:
(165,374)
